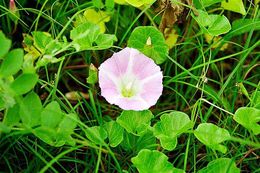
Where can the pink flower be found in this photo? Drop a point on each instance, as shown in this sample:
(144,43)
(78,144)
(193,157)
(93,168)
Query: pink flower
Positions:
(130,80)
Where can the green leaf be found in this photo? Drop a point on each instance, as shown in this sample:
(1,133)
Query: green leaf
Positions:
(49,136)
(212,24)
(96,134)
(84,35)
(234,5)
(12,116)
(114,132)
(105,41)
(150,42)
(5,45)
(242,26)
(249,118)
(206,3)
(220,165)
(44,42)
(51,115)
(148,161)
(68,124)
(212,135)
(139,3)
(30,110)
(170,126)
(87,34)
(135,122)
(12,63)
(135,143)
(24,83)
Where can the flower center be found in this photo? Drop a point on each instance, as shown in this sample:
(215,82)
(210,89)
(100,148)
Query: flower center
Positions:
(129,86)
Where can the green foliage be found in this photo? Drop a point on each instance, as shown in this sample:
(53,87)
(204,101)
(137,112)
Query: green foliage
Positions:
(242,26)
(211,23)
(150,42)
(249,118)
(30,110)
(212,135)
(234,5)
(96,134)
(152,161)
(12,63)
(170,126)
(135,143)
(87,34)
(115,133)
(135,122)
(220,165)
(5,45)
(24,83)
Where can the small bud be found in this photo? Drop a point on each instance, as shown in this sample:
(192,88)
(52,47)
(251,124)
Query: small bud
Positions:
(149,41)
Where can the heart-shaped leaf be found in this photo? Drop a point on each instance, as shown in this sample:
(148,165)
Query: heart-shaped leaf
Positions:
(24,83)
(212,135)
(170,126)
(249,118)
(96,134)
(220,165)
(135,122)
(114,132)
(212,24)
(51,115)
(153,161)
(150,42)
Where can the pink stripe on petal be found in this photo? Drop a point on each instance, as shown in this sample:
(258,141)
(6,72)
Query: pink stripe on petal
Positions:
(144,67)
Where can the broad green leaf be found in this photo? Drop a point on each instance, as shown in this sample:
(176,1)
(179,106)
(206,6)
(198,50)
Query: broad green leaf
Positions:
(105,41)
(44,42)
(212,24)
(212,135)
(220,165)
(114,132)
(24,83)
(135,143)
(153,161)
(68,124)
(46,59)
(96,134)
(139,3)
(98,3)
(84,35)
(12,63)
(234,5)
(30,110)
(12,116)
(92,74)
(150,42)
(206,3)
(51,115)
(49,136)
(255,99)
(249,118)
(135,122)
(170,126)
(5,45)
(121,2)
(242,26)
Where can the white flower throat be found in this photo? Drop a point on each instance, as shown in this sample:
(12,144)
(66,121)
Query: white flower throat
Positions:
(130,86)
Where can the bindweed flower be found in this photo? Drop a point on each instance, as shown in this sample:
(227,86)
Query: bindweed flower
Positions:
(130,80)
